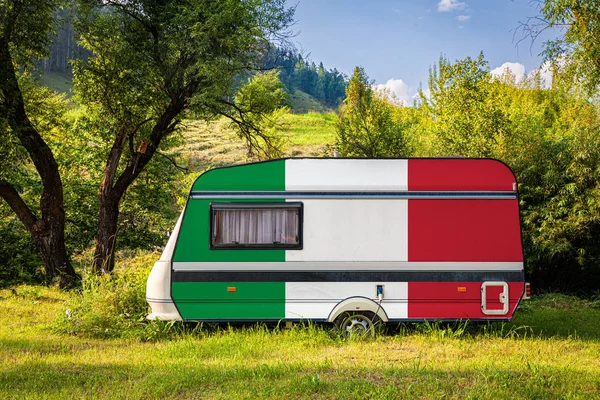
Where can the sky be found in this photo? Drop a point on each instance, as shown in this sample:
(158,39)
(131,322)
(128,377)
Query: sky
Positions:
(397,41)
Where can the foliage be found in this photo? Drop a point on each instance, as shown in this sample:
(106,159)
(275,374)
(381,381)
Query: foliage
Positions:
(110,305)
(27,115)
(25,26)
(260,106)
(578,49)
(18,257)
(368,125)
(300,74)
(150,62)
(468,119)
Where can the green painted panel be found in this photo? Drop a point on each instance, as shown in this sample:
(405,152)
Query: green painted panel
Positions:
(265,176)
(212,300)
(193,243)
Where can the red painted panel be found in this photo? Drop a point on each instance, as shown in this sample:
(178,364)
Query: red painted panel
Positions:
(459,175)
(444,301)
(464,230)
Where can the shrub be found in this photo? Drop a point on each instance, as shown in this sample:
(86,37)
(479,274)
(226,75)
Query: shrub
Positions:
(114,305)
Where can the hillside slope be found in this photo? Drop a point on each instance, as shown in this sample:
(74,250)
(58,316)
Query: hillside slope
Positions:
(215,144)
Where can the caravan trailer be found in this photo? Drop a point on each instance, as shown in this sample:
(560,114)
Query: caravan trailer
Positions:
(349,241)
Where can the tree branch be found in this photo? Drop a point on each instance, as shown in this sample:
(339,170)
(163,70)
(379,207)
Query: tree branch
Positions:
(169,158)
(16,203)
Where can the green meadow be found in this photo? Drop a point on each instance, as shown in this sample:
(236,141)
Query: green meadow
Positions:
(551,350)
(215,144)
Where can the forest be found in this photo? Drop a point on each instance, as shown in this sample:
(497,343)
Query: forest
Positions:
(102,173)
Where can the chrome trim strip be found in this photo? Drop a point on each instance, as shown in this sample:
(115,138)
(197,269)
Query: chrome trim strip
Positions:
(322,266)
(354,195)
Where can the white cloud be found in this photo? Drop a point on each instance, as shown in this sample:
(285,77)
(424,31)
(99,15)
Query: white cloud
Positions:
(450,5)
(463,18)
(516,69)
(398,89)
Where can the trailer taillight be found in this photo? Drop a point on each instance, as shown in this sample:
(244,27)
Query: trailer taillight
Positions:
(527,294)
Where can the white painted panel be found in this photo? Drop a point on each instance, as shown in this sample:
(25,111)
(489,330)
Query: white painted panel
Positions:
(167,254)
(342,174)
(353,230)
(158,292)
(308,310)
(305,300)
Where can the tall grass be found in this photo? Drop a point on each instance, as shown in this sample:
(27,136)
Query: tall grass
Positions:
(114,305)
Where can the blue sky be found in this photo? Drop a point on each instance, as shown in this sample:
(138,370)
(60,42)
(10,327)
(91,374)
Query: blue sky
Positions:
(396,41)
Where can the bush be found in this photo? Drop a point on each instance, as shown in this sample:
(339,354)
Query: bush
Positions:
(114,305)
(19,260)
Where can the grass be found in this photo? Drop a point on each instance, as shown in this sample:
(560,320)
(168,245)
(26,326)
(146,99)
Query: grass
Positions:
(215,144)
(59,81)
(551,350)
(303,103)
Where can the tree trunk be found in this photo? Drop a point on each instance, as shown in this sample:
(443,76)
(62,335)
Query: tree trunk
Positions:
(51,245)
(47,231)
(48,236)
(106,237)
(113,188)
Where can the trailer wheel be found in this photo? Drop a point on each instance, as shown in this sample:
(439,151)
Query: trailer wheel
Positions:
(353,323)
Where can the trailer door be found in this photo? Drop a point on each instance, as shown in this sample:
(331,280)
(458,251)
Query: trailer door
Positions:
(494,298)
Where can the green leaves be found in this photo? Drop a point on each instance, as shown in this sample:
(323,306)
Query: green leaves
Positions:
(468,119)
(369,125)
(26,27)
(259,106)
(577,48)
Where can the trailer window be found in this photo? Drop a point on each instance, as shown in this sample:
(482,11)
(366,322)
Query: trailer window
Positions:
(256,225)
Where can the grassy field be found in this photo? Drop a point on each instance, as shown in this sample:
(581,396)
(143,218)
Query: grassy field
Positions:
(214,144)
(551,350)
(62,82)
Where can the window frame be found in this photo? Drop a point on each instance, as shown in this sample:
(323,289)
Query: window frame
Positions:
(299,206)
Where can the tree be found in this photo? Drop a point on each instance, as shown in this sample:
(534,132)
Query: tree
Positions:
(367,124)
(259,105)
(24,34)
(577,49)
(151,61)
(468,119)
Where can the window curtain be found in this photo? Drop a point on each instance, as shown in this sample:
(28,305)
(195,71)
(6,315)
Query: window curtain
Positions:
(255,226)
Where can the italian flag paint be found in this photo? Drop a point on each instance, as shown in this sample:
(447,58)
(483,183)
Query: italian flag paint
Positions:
(364,233)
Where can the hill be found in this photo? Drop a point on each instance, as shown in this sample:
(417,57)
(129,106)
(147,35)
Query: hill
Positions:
(215,144)
(302,103)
